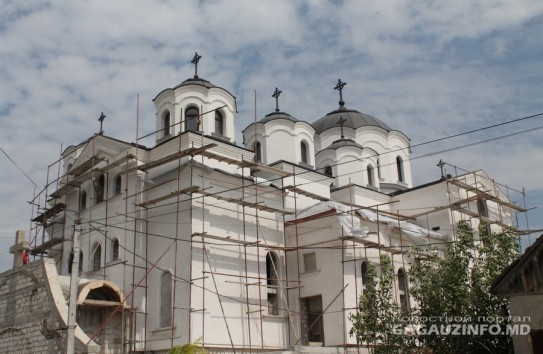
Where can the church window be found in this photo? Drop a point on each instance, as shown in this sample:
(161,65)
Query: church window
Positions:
(483,213)
(272,282)
(219,123)
(328,171)
(115,250)
(165,300)
(399,167)
(118,185)
(369,170)
(167,123)
(192,119)
(80,262)
(402,290)
(258,152)
(303,152)
(97,257)
(99,185)
(364,273)
(83,201)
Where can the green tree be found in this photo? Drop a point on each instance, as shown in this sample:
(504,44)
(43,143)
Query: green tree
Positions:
(378,316)
(452,287)
(189,348)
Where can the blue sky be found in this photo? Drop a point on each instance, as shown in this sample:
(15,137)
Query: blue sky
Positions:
(428,68)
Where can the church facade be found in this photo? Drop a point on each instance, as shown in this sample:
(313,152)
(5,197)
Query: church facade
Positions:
(259,247)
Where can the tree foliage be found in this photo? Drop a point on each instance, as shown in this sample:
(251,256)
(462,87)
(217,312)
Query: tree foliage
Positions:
(378,313)
(189,348)
(450,286)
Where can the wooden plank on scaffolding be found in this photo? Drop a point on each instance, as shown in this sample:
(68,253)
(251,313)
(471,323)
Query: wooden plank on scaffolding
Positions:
(46,245)
(172,157)
(117,163)
(187,190)
(65,189)
(222,238)
(452,205)
(366,242)
(265,168)
(306,193)
(85,166)
(487,195)
(481,217)
(245,203)
(380,211)
(221,158)
(49,213)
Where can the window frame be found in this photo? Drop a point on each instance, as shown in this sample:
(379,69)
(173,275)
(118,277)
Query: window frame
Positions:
(306,258)
(165,319)
(189,125)
(166,123)
(219,122)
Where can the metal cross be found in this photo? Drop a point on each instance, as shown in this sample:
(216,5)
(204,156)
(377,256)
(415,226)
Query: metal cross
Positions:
(339,87)
(275,95)
(195,61)
(101,120)
(440,164)
(341,123)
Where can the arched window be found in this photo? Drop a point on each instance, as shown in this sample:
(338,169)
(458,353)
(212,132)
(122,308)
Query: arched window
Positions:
(219,122)
(379,168)
(99,185)
(258,152)
(69,166)
(83,201)
(167,123)
(271,269)
(328,171)
(364,274)
(483,212)
(191,119)
(118,185)
(403,290)
(80,262)
(166,300)
(303,152)
(272,282)
(399,167)
(115,250)
(97,257)
(369,170)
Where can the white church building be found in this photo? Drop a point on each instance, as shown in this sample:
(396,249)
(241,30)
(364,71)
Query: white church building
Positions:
(254,248)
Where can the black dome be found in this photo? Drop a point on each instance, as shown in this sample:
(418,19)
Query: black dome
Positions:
(196,81)
(353,119)
(278,115)
(342,143)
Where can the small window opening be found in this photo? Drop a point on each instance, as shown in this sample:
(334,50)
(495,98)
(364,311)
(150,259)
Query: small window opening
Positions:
(219,122)
(192,119)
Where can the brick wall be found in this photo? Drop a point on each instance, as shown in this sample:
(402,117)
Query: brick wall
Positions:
(25,302)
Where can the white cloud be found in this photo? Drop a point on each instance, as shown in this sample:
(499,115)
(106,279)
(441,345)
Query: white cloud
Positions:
(428,68)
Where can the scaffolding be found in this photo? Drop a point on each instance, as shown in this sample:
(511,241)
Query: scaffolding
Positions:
(191,191)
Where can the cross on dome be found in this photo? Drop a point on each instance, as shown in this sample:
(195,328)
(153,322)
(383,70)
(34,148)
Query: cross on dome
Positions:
(101,120)
(195,61)
(275,95)
(339,87)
